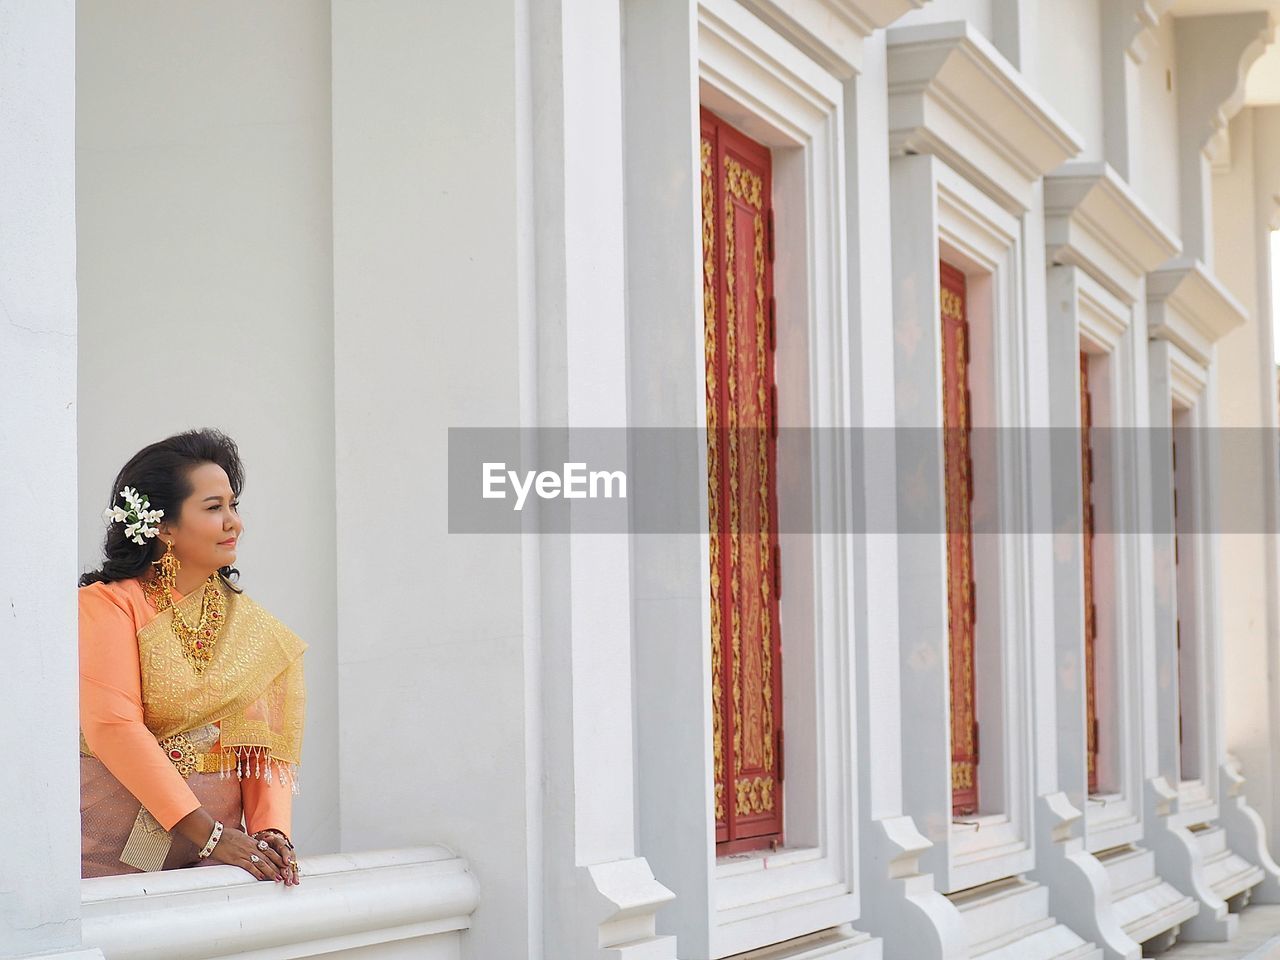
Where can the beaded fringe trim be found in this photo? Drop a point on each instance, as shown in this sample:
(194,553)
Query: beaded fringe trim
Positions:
(257,762)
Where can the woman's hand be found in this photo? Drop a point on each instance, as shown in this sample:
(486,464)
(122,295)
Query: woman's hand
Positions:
(281,845)
(241,850)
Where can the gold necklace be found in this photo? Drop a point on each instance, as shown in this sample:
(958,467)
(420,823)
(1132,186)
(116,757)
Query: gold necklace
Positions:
(197,642)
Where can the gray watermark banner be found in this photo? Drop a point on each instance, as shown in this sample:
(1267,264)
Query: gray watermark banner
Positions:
(860,481)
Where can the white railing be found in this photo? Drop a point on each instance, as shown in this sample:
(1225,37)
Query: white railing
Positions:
(412,902)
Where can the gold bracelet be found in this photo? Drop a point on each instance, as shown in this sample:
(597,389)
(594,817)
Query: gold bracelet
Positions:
(214,837)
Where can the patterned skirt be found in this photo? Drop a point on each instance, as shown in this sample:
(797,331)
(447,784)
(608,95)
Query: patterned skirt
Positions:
(108,812)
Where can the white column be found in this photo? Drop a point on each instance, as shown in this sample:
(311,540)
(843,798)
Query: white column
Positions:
(40,831)
(901,904)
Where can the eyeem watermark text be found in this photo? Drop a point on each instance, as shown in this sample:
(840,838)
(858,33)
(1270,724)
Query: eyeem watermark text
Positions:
(574,483)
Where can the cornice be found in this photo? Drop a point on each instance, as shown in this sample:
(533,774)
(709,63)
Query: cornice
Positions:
(1189,307)
(953,95)
(1093,220)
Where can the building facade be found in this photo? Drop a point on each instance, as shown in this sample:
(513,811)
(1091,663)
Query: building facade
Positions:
(969,648)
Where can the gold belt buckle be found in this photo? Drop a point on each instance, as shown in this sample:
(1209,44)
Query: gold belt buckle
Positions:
(189,758)
(181,753)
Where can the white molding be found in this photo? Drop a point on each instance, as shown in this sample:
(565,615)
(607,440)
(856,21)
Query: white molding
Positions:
(1102,317)
(1085,316)
(803,888)
(952,94)
(831,31)
(758,81)
(936,209)
(1095,221)
(1190,308)
(1188,378)
(420,897)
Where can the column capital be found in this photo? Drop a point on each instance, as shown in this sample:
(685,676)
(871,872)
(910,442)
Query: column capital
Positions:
(1094,220)
(1190,308)
(952,94)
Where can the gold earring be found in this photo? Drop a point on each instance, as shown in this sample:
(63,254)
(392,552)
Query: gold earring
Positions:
(169,567)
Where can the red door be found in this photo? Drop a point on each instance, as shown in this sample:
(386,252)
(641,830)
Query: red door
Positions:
(961,598)
(746,650)
(1090,607)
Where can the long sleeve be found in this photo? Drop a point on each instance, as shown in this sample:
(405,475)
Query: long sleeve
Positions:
(267,805)
(111,717)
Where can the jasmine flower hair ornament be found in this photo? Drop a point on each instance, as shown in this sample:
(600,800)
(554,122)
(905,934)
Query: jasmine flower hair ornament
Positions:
(141,524)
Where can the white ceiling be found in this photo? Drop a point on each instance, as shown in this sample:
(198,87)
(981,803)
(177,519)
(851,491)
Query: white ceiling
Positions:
(1263,82)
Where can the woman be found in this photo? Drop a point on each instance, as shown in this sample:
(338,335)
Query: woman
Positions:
(191,695)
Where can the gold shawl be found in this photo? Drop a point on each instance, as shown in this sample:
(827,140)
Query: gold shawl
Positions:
(252,687)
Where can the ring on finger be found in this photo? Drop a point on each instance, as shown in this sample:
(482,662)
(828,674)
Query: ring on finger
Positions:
(263,845)
(254,858)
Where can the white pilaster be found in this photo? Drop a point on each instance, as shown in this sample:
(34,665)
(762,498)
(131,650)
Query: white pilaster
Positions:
(901,903)
(40,832)
(664,287)
(601,898)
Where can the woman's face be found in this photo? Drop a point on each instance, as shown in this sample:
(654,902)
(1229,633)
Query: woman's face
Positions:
(208,525)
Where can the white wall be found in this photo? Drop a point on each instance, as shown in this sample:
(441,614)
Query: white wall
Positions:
(1068,66)
(1155,176)
(438,666)
(39,862)
(205,272)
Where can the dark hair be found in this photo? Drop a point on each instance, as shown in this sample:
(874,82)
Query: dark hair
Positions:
(161,472)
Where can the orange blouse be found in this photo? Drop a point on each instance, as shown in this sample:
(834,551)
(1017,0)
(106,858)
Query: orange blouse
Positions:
(111,715)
